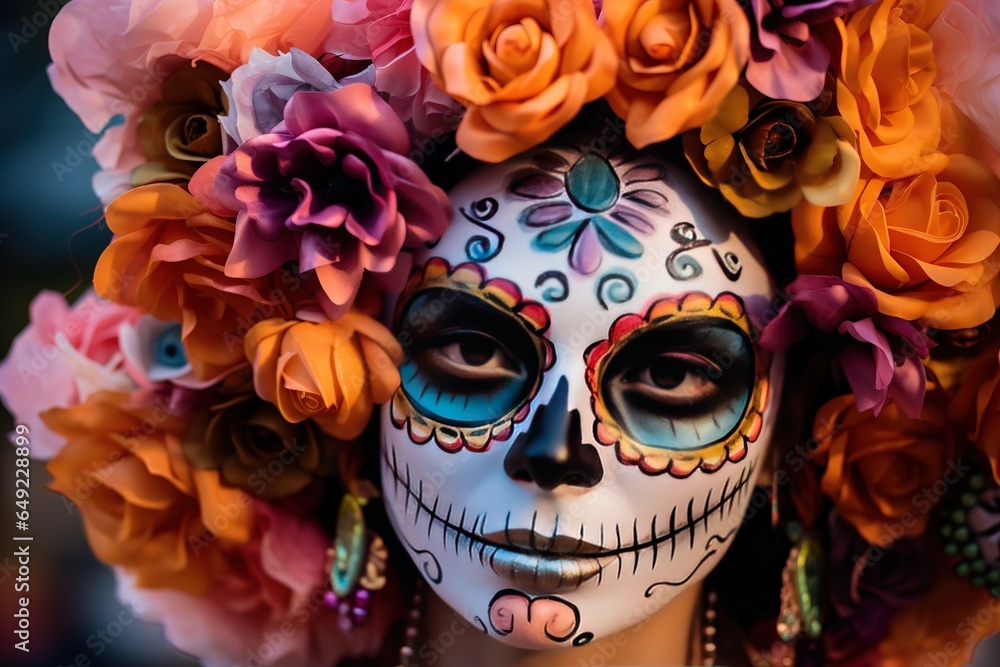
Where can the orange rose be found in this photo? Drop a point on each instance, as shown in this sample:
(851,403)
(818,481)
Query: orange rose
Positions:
(975,406)
(926,245)
(524,68)
(678,60)
(331,372)
(884,81)
(876,466)
(143,507)
(169,258)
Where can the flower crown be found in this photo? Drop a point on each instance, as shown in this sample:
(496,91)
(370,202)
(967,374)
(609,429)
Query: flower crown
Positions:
(265,185)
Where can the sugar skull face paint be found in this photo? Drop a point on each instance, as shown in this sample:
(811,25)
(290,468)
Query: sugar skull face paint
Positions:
(583,410)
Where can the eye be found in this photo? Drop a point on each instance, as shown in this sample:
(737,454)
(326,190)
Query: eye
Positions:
(468,362)
(680,386)
(675,379)
(473,355)
(169,349)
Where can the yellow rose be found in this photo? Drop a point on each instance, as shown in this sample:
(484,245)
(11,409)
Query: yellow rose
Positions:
(767,155)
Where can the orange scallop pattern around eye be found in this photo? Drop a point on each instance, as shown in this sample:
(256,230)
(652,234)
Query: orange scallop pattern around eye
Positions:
(504,294)
(656,460)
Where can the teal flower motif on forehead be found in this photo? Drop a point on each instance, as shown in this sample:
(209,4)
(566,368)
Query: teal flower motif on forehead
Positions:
(595,204)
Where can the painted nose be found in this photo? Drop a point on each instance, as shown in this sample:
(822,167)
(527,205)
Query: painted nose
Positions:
(551,452)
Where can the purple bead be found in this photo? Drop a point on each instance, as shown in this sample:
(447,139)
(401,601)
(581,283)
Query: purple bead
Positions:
(362,594)
(331,599)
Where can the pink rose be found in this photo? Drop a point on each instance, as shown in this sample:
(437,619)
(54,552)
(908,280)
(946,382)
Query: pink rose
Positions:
(275,580)
(968,63)
(112,57)
(379,30)
(60,358)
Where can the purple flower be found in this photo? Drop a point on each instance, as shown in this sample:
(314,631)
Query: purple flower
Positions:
(258,91)
(787,62)
(880,355)
(330,190)
(867,585)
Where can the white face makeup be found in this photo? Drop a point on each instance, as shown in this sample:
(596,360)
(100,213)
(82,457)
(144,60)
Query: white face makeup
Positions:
(583,411)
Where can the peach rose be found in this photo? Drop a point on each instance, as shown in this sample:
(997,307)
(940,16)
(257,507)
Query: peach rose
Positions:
(239,26)
(524,68)
(678,60)
(876,466)
(168,258)
(927,245)
(331,372)
(143,507)
(884,86)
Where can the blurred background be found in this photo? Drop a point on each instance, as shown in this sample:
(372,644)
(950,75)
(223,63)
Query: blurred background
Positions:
(49,227)
(50,238)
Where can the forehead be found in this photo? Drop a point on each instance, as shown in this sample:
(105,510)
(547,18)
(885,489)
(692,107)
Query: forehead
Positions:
(592,234)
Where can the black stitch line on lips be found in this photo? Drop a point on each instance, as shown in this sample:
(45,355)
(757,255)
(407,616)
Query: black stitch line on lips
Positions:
(618,549)
(635,540)
(430,517)
(652,531)
(735,493)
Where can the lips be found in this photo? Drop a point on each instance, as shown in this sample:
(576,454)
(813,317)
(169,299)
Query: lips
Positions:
(549,563)
(545,572)
(529,541)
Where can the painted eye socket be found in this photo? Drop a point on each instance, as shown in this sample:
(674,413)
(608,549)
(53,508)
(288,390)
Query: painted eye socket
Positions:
(681,386)
(468,363)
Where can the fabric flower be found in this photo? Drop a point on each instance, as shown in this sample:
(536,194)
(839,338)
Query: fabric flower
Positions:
(331,372)
(926,245)
(787,60)
(968,58)
(876,464)
(880,355)
(154,354)
(237,27)
(331,190)
(975,406)
(523,68)
(168,258)
(272,586)
(766,155)
(181,132)
(258,91)
(253,447)
(65,354)
(379,31)
(112,57)
(140,501)
(678,60)
(867,587)
(885,77)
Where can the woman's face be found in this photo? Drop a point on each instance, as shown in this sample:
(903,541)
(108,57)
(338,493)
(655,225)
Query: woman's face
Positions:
(583,411)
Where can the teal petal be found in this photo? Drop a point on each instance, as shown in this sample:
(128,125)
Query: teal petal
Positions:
(557,237)
(592,183)
(616,240)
